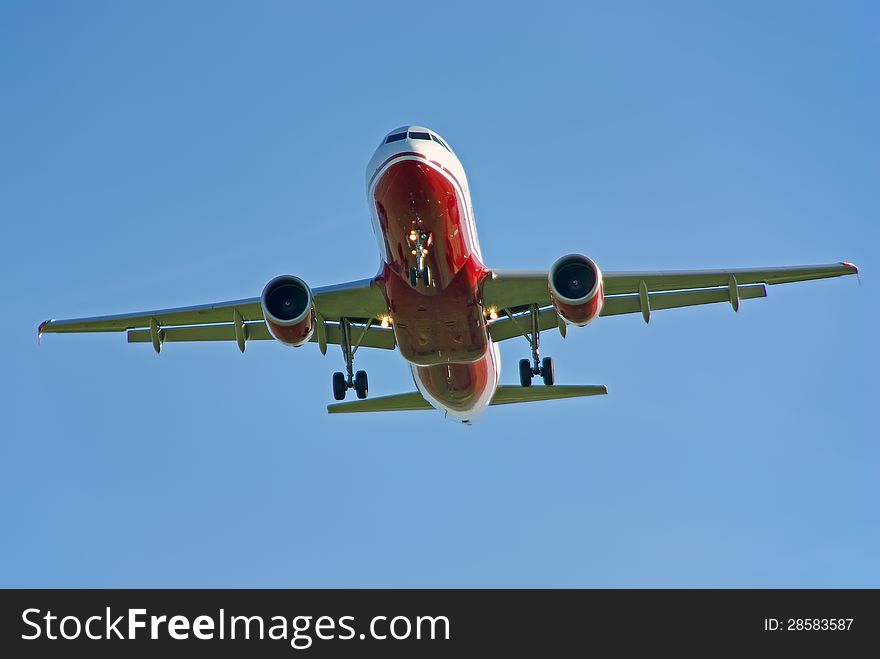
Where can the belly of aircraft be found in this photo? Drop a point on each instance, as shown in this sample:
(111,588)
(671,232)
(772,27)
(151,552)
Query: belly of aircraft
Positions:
(462,390)
(440,328)
(440,323)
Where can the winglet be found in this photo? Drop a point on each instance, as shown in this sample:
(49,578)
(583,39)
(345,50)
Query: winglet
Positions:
(854,269)
(40,330)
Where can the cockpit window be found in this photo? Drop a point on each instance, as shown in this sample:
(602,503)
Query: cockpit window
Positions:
(439,141)
(395,137)
(417,135)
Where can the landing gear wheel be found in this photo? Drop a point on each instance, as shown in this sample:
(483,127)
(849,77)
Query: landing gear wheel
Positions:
(547,370)
(525,372)
(339,386)
(426,275)
(361,386)
(413,277)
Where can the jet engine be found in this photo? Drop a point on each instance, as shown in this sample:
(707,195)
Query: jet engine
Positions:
(576,289)
(288,310)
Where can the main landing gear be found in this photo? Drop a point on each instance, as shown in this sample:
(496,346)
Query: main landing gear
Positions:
(528,369)
(420,242)
(342,382)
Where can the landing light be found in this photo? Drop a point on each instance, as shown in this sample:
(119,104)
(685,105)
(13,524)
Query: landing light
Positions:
(493,313)
(386,321)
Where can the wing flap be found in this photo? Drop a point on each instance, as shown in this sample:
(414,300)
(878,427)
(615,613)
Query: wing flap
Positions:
(507,328)
(375,337)
(225,332)
(621,304)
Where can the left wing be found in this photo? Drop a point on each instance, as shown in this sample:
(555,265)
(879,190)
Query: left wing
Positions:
(642,292)
(359,301)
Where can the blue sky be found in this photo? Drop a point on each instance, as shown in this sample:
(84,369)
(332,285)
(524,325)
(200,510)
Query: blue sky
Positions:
(168,154)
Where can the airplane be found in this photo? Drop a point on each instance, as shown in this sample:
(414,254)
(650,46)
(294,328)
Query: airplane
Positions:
(435,301)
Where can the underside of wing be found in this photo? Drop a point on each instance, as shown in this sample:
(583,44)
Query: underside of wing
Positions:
(512,294)
(205,314)
(362,303)
(517,324)
(628,282)
(363,336)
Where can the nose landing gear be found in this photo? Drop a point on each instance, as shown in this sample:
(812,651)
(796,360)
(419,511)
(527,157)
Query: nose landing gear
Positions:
(420,244)
(342,382)
(415,274)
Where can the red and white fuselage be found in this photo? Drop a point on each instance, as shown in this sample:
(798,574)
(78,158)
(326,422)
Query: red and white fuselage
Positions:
(417,186)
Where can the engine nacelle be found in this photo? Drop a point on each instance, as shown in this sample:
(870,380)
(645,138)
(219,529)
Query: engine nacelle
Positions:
(576,289)
(288,310)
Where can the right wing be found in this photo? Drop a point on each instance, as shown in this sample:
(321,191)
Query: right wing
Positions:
(360,301)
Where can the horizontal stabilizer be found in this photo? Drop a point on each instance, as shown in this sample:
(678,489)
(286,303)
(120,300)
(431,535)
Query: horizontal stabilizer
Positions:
(504,395)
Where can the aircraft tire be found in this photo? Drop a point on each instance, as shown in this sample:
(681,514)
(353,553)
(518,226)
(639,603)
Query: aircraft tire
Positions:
(339,386)
(361,385)
(525,372)
(547,370)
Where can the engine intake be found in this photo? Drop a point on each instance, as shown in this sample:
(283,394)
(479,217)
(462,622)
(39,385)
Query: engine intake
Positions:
(288,310)
(576,289)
